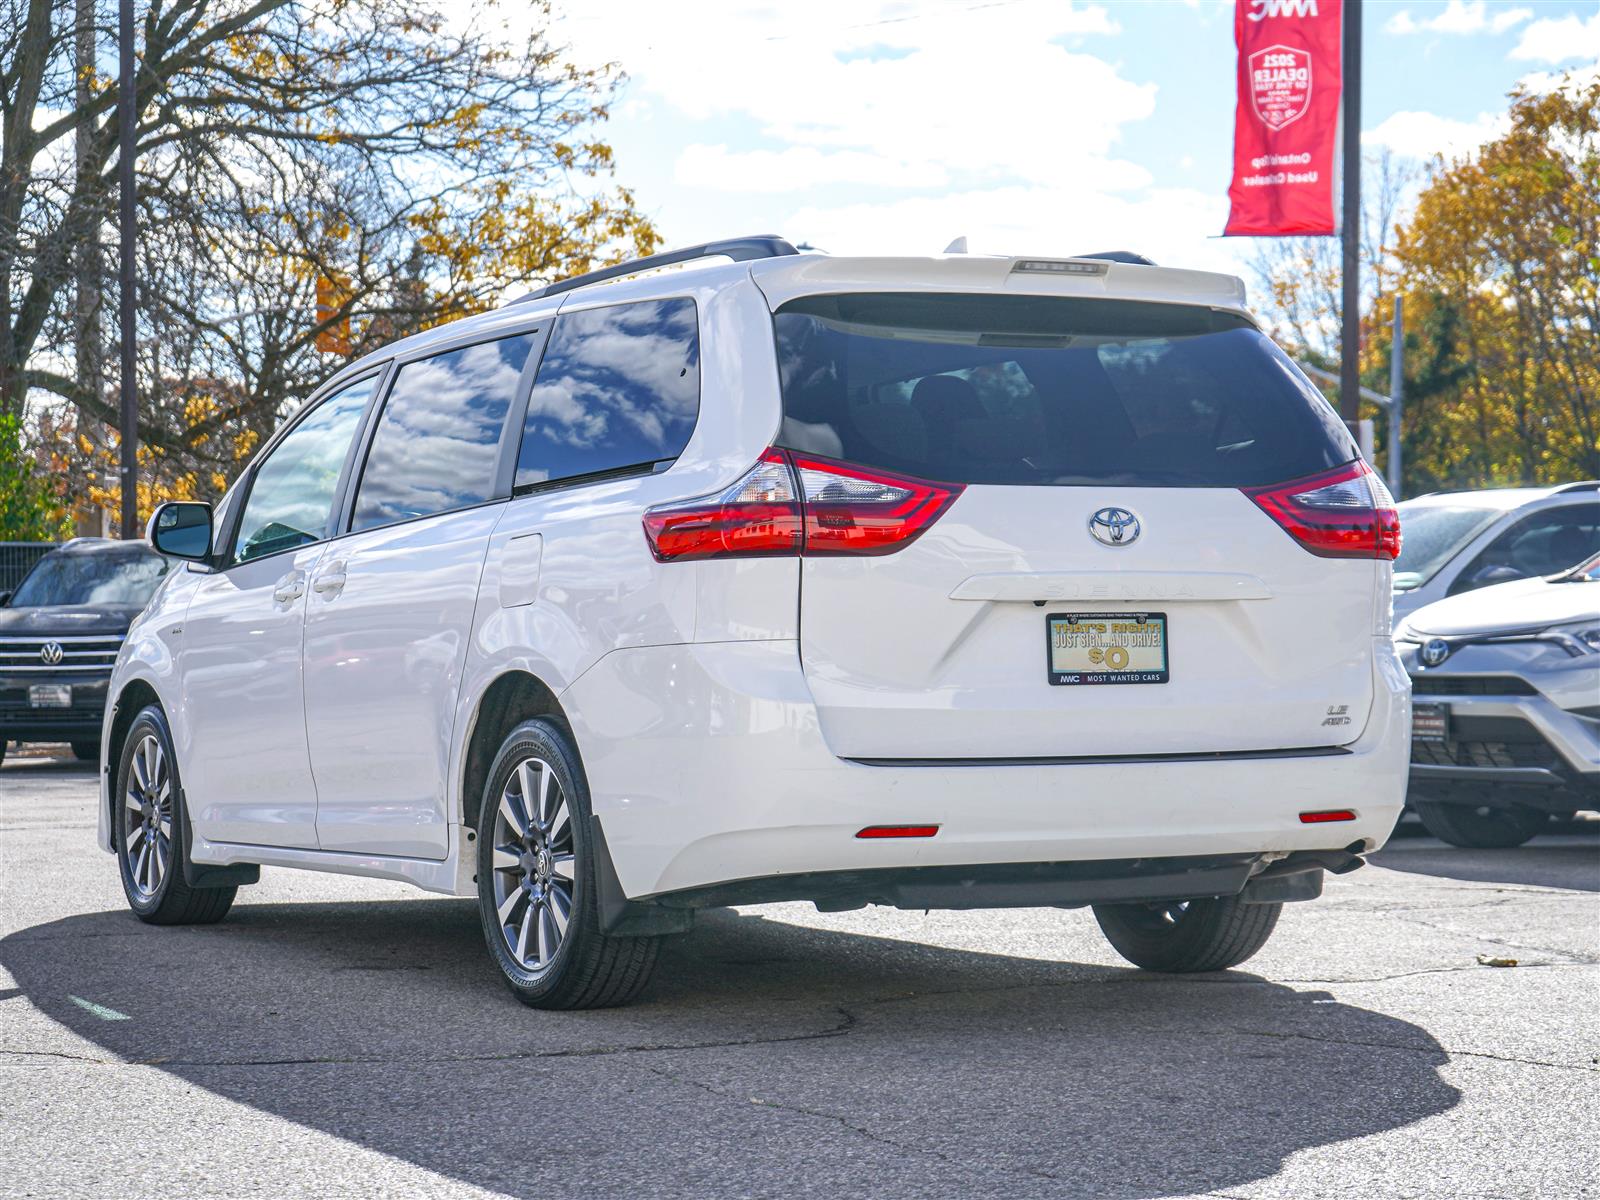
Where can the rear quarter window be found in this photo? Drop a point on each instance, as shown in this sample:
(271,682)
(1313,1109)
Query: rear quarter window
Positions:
(618,390)
(1049,390)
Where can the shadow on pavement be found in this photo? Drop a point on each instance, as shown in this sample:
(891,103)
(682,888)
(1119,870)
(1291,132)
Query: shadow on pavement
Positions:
(894,1067)
(1563,861)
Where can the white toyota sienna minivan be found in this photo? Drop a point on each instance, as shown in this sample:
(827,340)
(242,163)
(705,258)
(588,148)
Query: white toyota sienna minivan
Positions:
(953,582)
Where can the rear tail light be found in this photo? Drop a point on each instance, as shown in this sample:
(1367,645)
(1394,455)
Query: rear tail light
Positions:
(757,517)
(799,505)
(1343,513)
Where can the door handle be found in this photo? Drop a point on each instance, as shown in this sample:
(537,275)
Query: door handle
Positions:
(330,582)
(289,589)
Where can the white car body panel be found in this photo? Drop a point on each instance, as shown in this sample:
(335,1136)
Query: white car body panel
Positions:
(968,679)
(241,728)
(384,656)
(728,775)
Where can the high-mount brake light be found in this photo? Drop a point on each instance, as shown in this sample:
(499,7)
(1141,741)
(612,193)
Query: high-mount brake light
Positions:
(1343,513)
(791,505)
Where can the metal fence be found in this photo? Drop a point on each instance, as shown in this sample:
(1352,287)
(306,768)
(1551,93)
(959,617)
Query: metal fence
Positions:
(17,559)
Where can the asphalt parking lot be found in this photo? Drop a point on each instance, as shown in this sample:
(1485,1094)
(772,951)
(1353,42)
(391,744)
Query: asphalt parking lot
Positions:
(337,1037)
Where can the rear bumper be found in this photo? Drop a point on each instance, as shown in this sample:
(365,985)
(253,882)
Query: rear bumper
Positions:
(706,766)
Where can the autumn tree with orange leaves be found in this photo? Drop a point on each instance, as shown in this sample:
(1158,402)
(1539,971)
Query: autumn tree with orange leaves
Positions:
(423,165)
(1498,262)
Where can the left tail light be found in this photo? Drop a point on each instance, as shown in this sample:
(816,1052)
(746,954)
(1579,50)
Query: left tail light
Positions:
(1343,513)
(789,505)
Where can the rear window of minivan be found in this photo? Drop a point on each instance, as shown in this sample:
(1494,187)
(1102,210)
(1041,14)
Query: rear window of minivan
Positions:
(989,389)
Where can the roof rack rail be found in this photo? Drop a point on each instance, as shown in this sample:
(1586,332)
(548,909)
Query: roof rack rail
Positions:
(1120,256)
(1585,485)
(739,249)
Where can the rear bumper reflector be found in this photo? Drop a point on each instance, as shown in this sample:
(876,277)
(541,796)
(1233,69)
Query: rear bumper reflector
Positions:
(1332,814)
(898,831)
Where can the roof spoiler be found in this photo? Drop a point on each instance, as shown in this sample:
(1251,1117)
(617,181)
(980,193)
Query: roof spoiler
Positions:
(742,249)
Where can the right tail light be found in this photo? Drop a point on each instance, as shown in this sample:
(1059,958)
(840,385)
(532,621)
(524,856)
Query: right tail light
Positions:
(791,505)
(1343,513)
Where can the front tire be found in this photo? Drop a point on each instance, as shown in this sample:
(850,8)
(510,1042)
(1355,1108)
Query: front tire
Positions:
(1479,827)
(1188,936)
(537,891)
(147,830)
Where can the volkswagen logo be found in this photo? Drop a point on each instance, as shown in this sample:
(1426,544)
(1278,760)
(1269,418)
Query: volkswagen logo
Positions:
(1114,527)
(50,654)
(1434,652)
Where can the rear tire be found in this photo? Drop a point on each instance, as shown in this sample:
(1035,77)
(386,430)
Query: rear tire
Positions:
(537,891)
(147,830)
(1188,936)
(86,751)
(1478,827)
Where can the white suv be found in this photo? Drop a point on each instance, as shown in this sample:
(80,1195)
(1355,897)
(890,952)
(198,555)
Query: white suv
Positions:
(953,582)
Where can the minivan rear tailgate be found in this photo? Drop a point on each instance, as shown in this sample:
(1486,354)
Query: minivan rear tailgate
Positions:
(939,650)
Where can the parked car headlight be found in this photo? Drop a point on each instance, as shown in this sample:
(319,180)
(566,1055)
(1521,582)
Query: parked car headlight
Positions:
(1579,637)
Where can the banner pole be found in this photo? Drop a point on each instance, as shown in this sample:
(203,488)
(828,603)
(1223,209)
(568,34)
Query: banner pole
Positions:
(127,117)
(1350,223)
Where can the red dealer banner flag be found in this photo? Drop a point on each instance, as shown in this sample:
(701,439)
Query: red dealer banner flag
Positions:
(1286,124)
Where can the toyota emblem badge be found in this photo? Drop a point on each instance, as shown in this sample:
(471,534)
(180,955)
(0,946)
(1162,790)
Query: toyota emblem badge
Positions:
(1435,652)
(1114,527)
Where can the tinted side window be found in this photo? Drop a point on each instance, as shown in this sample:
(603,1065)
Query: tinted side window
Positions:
(292,496)
(619,387)
(439,437)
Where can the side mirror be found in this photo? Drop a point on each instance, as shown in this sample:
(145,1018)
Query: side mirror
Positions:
(181,529)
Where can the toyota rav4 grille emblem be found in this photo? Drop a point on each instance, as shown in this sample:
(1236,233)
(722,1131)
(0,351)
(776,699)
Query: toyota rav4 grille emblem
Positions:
(50,654)
(1434,652)
(1114,526)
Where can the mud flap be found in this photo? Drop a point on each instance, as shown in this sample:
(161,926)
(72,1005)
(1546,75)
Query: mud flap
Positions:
(621,917)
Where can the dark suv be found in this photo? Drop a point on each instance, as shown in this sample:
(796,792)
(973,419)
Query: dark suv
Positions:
(59,636)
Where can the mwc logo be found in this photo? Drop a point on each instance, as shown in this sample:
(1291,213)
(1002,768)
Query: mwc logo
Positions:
(1260,10)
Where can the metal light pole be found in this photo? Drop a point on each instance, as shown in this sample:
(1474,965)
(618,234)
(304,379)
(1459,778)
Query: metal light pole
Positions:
(127,115)
(1350,225)
(1397,387)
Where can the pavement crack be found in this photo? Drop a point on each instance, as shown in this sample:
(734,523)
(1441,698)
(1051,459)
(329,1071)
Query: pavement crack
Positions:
(1429,1050)
(1472,966)
(845,1024)
(843,1122)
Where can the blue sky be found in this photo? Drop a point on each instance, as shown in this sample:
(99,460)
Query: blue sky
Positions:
(1030,126)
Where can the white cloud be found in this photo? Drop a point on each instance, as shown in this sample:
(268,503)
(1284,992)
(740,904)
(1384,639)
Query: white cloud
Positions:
(986,89)
(1424,134)
(1578,78)
(1509,19)
(797,168)
(1174,226)
(1560,39)
(1459,16)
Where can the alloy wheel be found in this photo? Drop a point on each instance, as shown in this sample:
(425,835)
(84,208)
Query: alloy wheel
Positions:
(535,864)
(147,817)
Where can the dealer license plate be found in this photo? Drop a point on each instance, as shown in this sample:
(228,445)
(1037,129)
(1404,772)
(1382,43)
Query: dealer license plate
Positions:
(1430,722)
(1107,647)
(50,695)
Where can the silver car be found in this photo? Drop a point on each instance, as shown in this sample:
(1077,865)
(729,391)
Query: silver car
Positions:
(1506,715)
(1460,541)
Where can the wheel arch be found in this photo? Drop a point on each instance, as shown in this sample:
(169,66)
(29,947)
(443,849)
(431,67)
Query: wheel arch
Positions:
(134,697)
(513,697)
